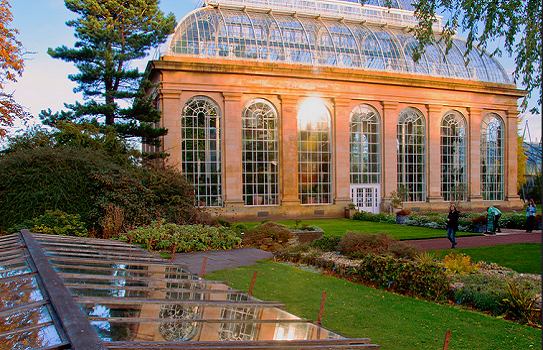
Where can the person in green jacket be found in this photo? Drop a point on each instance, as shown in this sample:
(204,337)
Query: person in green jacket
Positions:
(497,213)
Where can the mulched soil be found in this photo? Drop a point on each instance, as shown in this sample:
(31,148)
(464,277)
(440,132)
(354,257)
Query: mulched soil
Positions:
(507,237)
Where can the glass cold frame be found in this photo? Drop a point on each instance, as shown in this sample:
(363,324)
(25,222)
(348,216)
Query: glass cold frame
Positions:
(201,149)
(412,155)
(260,153)
(365,145)
(492,157)
(454,183)
(129,301)
(268,36)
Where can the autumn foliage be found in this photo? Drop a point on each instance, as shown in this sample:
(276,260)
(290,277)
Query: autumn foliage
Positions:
(11,63)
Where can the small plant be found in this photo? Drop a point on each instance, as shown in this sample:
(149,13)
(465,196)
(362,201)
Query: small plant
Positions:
(404,212)
(459,264)
(57,222)
(425,258)
(351,206)
(521,302)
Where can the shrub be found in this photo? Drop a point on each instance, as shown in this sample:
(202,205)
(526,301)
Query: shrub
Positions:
(160,235)
(459,264)
(85,169)
(480,291)
(356,245)
(402,276)
(56,222)
(326,243)
(268,236)
(240,228)
(381,217)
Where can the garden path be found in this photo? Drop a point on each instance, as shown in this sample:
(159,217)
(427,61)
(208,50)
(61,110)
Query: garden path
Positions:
(507,236)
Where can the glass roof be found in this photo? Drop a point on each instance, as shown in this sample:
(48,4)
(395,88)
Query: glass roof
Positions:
(246,34)
(54,289)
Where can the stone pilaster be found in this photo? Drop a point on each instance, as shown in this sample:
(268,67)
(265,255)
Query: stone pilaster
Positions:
(433,168)
(289,150)
(389,165)
(511,161)
(171,119)
(342,151)
(474,149)
(231,141)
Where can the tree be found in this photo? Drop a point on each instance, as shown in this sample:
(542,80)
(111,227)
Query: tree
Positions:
(11,63)
(110,35)
(518,22)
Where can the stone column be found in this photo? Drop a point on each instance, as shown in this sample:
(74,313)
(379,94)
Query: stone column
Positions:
(389,164)
(474,150)
(433,168)
(289,151)
(342,152)
(231,141)
(511,162)
(171,119)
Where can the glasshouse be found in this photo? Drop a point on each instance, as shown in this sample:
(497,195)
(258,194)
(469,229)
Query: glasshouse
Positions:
(291,108)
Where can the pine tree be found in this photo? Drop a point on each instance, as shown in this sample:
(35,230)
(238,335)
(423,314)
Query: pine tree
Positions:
(110,35)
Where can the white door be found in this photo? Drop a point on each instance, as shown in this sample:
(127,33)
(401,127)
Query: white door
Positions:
(366,197)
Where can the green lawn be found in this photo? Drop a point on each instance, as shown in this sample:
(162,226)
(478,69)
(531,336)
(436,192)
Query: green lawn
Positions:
(341,226)
(522,257)
(391,321)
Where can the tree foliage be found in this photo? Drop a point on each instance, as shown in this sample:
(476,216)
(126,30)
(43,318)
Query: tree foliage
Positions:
(110,35)
(85,169)
(11,66)
(517,22)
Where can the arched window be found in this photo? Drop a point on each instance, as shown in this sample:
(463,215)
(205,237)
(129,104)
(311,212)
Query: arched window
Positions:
(314,153)
(260,153)
(201,149)
(492,159)
(454,157)
(411,155)
(365,142)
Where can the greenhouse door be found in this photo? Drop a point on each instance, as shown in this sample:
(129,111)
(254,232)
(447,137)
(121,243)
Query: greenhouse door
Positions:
(366,197)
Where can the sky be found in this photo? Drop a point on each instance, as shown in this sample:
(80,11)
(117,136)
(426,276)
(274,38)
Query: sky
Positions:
(45,84)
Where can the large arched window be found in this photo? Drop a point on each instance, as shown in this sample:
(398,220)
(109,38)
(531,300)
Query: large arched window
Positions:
(454,157)
(365,142)
(260,153)
(492,159)
(314,153)
(411,155)
(201,149)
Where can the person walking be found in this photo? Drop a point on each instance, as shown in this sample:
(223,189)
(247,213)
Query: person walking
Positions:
(452,224)
(530,215)
(497,213)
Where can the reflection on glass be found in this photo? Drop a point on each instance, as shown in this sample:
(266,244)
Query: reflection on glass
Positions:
(39,338)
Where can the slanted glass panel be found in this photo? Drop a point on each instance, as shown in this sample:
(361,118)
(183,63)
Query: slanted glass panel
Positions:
(30,339)
(260,153)
(308,40)
(454,158)
(412,155)
(314,153)
(201,149)
(365,142)
(492,158)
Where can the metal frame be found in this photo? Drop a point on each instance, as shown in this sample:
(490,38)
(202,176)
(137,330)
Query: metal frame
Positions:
(492,158)
(454,157)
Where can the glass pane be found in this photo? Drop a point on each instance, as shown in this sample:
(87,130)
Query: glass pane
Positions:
(20,294)
(205,331)
(39,338)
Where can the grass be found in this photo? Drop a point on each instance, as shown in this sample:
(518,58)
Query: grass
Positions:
(391,321)
(341,226)
(521,257)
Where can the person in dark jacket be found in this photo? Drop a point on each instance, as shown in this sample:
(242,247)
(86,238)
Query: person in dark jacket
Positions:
(452,224)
